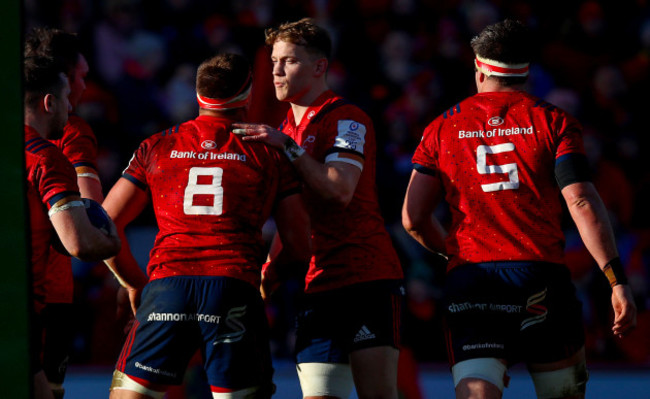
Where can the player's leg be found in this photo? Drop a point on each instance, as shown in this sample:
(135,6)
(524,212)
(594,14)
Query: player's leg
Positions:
(561,332)
(373,337)
(161,342)
(57,322)
(124,386)
(483,378)
(375,371)
(564,379)
(325,380)
(322,361)
(41,387)
(235,333)
(482,311)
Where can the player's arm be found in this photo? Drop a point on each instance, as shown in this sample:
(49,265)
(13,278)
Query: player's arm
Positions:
(291,246)
(77,235)
(423,194)
(333,181)
(124,203)
(80,147)
(90,187)
(590,216)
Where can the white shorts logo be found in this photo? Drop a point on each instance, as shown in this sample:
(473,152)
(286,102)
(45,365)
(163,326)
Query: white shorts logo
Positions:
(364,334)
(234,323)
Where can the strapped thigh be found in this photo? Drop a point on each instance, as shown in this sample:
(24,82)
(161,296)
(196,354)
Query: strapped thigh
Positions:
(488,369)
(123,381)
(325,379)
(569,381)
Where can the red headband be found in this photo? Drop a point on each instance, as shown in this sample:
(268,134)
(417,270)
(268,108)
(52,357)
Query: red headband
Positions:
(496,68)
(240,99)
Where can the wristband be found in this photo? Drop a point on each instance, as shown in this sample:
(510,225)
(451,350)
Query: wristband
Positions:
(614,272)
(292,149)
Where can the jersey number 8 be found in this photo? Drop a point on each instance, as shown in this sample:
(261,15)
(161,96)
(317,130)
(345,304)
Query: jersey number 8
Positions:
(194,188)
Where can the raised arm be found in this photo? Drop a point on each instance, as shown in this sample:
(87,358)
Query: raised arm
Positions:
(590,216)
(422,196)
(333,181)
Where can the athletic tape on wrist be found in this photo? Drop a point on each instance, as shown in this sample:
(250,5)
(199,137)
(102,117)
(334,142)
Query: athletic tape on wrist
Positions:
(614,272)
(66,206)
(292,149)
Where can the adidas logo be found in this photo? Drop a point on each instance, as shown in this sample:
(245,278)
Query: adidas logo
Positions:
(364,334)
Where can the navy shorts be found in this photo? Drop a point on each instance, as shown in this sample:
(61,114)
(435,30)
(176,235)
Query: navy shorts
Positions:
(222,317)
(332,324)
(517,311)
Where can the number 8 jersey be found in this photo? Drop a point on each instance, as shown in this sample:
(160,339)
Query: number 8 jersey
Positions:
(495,155)
(211,195)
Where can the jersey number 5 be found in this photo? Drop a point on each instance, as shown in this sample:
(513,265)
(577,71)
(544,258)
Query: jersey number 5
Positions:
(194,188)
(483,168)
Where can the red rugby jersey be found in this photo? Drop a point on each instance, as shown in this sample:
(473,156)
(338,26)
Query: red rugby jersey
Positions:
(211,195)
(495,153)
(50,178)
(79,145)
(350,244)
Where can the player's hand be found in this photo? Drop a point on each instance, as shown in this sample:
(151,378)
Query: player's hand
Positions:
(113,235)
(270,281)
(134,298)
(259,132)
(124,309)
(624,310)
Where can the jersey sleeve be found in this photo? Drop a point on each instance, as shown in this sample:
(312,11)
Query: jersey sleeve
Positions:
(79,145)
(56,179)
(352,130)
(569,136)
(424,159)
(135,172)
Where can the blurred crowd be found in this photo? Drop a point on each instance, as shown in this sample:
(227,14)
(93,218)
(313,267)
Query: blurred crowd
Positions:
(404,62)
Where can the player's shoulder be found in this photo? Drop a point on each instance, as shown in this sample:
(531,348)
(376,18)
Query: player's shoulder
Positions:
(39,146)
(457,110)
(45,152)
(41,153)
(346,116)
(170,133)
(78,124)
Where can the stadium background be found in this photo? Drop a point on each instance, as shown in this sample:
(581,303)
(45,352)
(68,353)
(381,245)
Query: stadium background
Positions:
(404,62)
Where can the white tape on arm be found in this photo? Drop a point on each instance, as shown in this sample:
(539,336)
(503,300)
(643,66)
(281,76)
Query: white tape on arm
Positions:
(58,208)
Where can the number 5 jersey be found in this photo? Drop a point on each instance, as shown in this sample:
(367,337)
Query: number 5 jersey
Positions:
(495,154)
(211,195)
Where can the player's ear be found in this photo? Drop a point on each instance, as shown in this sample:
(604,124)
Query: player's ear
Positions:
(321,66)
(49,102)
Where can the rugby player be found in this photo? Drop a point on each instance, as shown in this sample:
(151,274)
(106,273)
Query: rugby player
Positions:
(348,325)
(502,160)
(211,194)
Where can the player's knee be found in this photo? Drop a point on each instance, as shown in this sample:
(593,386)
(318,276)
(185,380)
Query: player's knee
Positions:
(563,383)
(487,369)
(122,381)
(325,379)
